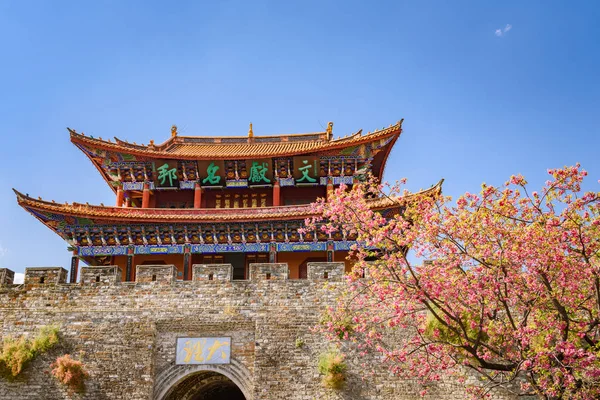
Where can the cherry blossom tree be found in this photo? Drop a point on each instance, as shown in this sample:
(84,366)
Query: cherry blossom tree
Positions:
(505,283)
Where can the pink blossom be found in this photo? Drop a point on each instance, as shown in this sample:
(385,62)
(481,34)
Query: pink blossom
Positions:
(501,282)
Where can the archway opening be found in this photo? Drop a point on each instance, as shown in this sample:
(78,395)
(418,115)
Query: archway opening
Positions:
(205,385)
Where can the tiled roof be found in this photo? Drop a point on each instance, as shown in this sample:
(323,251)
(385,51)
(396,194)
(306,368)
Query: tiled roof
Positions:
(186,215)
(189,147)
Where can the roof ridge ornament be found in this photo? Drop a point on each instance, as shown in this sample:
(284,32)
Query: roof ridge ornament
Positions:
(250,131)
(329,130)
(173,130)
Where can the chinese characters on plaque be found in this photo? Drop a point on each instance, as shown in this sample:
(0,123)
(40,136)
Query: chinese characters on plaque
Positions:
(260,172)
(166,174)
(207,350)
(212,173)
(306,170)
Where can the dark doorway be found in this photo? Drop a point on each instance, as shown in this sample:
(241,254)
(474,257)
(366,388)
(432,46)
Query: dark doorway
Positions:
(206,385)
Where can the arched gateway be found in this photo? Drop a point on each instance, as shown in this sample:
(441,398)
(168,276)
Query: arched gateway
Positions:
(204,382)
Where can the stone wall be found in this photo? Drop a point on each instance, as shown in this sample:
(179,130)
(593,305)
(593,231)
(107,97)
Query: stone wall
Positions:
(165,274)
(209,272)
(6,276)
(266,271)
(45,275)
(332,271)
(126,333)
(101,275)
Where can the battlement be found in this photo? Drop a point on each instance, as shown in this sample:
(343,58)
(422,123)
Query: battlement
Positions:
(269,271)
(164,274)
(7,276)
(167,274)
(45,275)
(109,275)
(212,272)
(127,333)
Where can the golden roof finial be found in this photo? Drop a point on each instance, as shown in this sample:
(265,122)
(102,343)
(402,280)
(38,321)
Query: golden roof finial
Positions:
(151,142)
(329,130)
(250,131)
(174,131)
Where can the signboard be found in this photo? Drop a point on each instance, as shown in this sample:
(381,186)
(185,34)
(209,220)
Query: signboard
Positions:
(128,268)
(212,173)
(306,246)
(260,172)
(239,183)
(207,350)
(169,249)
(236,248)
(74,265)
(166,174)
(306,170)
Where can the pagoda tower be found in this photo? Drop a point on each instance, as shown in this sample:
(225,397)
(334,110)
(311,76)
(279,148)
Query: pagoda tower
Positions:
(214,200)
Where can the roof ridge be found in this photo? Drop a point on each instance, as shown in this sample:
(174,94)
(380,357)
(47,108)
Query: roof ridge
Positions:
(182,213)
(219,139)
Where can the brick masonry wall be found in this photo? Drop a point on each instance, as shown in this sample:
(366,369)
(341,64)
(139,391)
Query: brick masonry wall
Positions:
(266,271)
(165,274)
(209,272)
(101,275)
(126,334)
(326,271)
(6,276)
(45,275)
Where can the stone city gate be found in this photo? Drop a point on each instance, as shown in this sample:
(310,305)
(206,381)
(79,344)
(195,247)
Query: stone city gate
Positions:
(128,335)
(204,382)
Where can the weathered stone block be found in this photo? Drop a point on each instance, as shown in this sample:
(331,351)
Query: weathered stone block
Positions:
(108,275)
(7,276)
(269,271)
(332,271)
(45,275)
(212,272)
(165,274)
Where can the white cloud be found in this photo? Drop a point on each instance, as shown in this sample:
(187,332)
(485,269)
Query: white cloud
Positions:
(502,31)
(19,277)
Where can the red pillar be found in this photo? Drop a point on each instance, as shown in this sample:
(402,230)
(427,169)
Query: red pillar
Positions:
(128,202)
(120,196)
(329,187)
(130,260)
(276,194)
(197,195)
(146,196)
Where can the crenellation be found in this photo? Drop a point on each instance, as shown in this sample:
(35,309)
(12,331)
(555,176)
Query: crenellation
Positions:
(7,276)
(107,275)
(45,275)
(330,271)
(269,271)
(212,272)
(126,334)
(163,274)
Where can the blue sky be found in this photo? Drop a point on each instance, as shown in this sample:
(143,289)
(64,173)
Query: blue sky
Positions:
(477,106)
